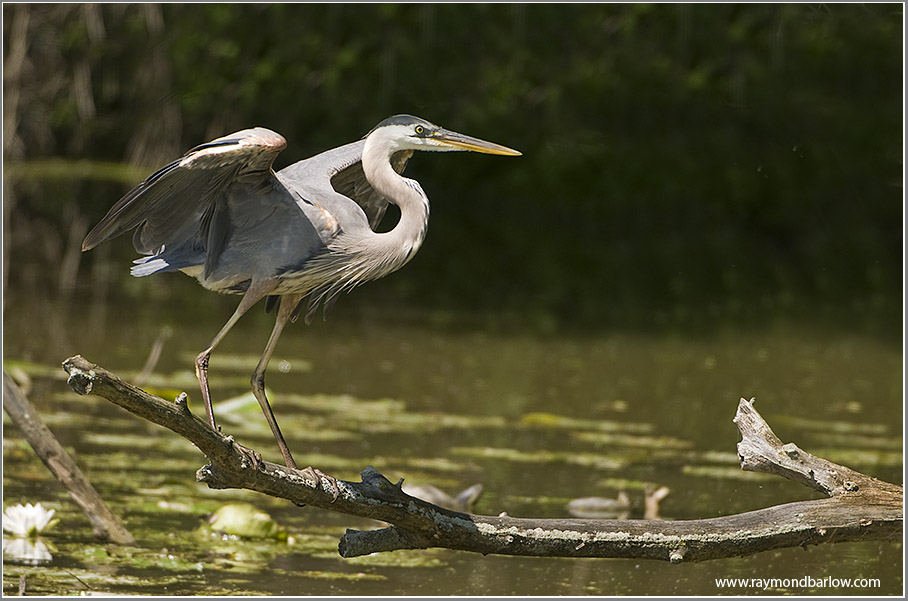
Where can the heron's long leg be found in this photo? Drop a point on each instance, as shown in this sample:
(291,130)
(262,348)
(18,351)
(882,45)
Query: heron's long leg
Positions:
(285,313)
(288,304)
(256,292)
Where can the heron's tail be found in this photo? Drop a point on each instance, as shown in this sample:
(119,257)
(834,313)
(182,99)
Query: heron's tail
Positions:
(149,265)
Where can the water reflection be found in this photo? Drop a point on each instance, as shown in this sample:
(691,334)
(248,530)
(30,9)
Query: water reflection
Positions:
(26,551)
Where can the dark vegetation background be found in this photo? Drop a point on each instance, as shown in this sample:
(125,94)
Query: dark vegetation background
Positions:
(684,165)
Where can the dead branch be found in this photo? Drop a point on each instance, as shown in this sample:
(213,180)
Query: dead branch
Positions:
(858,508)
(104,522)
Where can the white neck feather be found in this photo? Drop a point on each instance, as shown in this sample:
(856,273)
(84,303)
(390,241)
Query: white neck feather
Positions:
(401,243)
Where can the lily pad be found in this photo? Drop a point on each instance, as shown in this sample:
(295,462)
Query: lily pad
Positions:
(724,473)
(35,370)
(836,439)
(550,420)
(839,427)
(245,521)
(248,363)
(606,462)
(632,440)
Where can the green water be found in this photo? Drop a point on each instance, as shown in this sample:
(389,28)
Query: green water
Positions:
(537,419)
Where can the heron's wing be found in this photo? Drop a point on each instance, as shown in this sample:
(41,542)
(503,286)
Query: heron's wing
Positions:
(180,200)
(341,170)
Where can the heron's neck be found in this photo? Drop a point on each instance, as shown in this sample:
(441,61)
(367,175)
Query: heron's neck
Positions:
(402,242)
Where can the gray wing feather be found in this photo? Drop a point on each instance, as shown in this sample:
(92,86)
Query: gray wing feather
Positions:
(171,203)
(340,170)
(183,204)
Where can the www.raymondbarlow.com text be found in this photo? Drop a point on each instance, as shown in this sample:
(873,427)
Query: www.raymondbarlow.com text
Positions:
(802,582)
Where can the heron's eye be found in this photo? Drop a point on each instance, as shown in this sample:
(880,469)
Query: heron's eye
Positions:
(420,130)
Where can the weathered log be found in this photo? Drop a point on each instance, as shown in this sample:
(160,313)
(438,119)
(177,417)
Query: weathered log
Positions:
(858,508)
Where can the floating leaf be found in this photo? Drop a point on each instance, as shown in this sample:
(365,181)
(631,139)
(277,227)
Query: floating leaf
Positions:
(607,462)
(550,420)
(839,427)
(35,370)
(835,439)
(246,521)
(723,473)
(860,457)
(632,440)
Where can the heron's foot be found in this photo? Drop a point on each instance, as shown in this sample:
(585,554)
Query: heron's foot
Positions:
(317,475)
(251,457)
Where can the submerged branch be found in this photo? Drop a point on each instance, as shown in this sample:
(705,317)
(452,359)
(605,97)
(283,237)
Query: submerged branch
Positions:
(104,522)
(858,508)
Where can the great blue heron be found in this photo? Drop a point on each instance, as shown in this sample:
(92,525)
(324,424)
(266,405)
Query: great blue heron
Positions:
(298,237)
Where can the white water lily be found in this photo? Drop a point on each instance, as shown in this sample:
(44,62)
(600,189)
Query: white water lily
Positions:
(28,521)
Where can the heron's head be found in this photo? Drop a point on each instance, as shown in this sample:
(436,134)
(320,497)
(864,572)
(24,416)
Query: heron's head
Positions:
(406,132)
